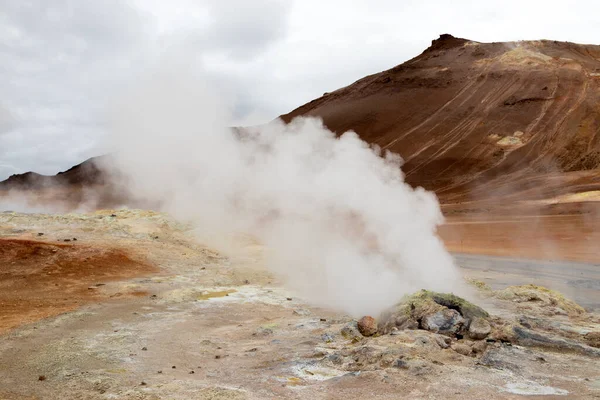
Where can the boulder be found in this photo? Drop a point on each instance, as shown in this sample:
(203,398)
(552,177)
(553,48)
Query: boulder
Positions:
(446,322)
(367,326)
(479,328)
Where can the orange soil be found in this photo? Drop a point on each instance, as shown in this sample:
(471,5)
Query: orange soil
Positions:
(39,280)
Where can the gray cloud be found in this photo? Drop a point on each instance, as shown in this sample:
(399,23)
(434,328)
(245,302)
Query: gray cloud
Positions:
(7,120)
(64,62)
(241,29)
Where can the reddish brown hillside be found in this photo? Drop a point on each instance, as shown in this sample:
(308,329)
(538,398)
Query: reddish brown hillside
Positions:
(477,121)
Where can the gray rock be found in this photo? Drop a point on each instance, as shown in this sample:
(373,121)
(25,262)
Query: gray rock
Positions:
(479,328)
(443,341)
(501,358)
(400,363)
(327,337)
(350,332)
(446,322)
(335,359)
(527,337)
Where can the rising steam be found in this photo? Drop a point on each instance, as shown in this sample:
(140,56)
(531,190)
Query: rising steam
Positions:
(338,220)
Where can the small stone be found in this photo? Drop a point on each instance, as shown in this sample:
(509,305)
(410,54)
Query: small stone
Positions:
(461,349)
(593,339)
(443,341)
(327,337)
(367,326)
(143,383)
(42,378)
(247,282)
(318,354)
(217,357)
(479,328)
(192,372)
(144,348)
(159,372)
(335,359)
(400,363)
(288,298)
(302,312)
(173,367)
(350,331)
(40,234)
(479,347)
(323,319)
(66,240)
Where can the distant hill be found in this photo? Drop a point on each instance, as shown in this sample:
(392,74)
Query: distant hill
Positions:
(87,173)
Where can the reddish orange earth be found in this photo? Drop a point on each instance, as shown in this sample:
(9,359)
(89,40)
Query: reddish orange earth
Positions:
(39,279)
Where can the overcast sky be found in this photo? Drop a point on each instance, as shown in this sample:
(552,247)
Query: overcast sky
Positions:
(63,62)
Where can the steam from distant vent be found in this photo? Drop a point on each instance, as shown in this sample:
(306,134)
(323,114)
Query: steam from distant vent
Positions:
(336,217)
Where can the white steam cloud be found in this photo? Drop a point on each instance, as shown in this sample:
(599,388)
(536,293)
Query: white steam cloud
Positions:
(337,219)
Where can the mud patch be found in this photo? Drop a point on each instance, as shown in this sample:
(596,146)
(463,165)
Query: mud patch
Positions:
(40,279)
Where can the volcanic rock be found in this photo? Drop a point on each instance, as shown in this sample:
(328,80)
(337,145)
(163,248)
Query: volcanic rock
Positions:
(438,312)
(350,332)
(446,322)
(367,326)
(479,328)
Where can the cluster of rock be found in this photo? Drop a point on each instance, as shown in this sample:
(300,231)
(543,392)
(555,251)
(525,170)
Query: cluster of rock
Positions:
(452,322)
(441,313)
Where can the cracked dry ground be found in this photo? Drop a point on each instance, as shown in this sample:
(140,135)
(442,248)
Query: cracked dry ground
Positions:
(135,308)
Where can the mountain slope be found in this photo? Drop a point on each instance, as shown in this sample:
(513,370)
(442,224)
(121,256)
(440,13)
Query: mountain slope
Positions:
(480,120)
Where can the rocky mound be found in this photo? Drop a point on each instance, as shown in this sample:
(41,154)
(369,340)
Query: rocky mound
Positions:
(439,321)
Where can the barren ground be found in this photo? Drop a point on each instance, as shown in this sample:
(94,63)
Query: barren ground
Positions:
(142,311)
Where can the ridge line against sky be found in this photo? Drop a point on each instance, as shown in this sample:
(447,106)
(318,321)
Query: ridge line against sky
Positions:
(64,62)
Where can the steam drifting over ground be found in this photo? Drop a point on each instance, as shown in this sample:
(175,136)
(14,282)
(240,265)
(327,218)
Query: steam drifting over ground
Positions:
(334,214)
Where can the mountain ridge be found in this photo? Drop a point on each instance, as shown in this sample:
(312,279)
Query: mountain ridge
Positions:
(474,122)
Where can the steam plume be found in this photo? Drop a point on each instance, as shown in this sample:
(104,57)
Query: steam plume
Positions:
(338,220)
